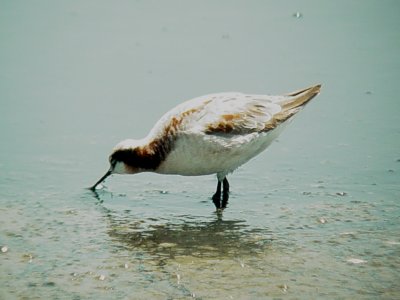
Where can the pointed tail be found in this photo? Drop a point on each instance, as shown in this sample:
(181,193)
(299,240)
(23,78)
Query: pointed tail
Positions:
(294,101)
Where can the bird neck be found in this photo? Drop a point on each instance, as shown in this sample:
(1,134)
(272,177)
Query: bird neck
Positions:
(143,155)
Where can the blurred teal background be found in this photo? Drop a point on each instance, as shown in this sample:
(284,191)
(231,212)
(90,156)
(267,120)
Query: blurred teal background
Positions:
(314,216)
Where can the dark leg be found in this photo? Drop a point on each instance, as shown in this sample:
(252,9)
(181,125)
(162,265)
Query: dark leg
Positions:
(217,196)
(225,193)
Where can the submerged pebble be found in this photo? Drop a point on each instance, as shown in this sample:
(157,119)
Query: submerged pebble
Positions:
(392,243)
(348,234)
(356,261)
(4,249)
(28,257)
(49,284)
(297,15)
(167,245)
(283,288)
(341,194)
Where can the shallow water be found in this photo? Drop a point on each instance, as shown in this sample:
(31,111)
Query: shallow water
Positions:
(316,215)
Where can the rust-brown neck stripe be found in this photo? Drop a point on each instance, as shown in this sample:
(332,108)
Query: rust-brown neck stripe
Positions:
(150,156)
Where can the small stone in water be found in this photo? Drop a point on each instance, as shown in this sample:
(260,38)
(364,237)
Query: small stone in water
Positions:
(356,261)
(102,277)
(297,15)
(49,283)
(322,220)
(392,243)
(4,249)
(283,287)
(348,233)
(167,245)
(28,256)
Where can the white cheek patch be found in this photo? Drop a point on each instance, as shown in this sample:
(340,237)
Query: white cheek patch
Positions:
(122,168)
(119,168)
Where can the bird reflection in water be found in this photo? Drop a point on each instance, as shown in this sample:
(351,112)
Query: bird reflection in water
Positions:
(187,236)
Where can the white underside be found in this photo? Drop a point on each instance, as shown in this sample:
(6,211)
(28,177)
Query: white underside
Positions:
(202,154)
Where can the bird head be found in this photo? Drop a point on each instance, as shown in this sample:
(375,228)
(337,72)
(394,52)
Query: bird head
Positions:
(124,159)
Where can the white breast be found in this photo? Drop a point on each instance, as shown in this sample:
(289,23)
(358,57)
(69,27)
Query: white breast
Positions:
(201,154)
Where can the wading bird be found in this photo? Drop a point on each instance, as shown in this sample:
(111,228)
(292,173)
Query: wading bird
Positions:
(212,134)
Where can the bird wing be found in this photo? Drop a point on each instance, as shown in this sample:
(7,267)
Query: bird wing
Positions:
(233,113)
(237,114)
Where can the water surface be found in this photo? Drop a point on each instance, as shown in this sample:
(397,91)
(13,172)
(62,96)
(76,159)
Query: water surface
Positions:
(314,216)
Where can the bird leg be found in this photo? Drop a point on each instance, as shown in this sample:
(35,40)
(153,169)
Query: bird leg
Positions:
(225,193)
(217,196)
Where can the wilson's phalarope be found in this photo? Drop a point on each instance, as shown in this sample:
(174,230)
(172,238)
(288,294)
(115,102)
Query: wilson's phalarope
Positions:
(212,134)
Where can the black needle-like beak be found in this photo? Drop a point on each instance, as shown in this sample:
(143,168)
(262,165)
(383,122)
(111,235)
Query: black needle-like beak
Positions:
(93,188)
